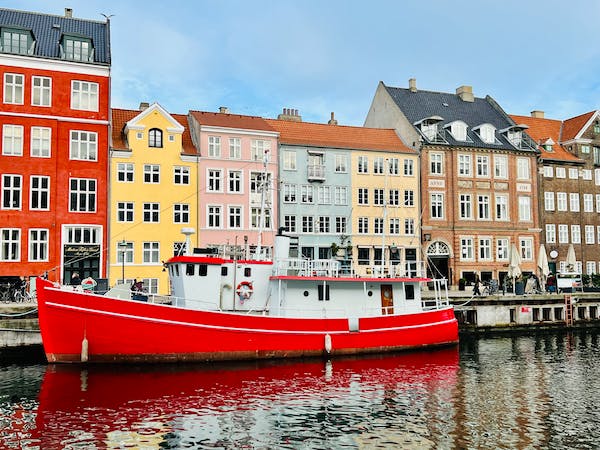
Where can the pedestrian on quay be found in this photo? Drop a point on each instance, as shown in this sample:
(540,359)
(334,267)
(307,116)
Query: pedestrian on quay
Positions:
(477,286)
(75,279)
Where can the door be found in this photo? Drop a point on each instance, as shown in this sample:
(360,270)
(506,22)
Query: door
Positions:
(387,299)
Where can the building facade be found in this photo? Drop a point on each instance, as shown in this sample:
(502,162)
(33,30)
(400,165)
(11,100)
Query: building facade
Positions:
(153,196)
(54,109)
(478,179)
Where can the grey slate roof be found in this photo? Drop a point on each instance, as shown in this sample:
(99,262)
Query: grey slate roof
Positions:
(47,36)
(423,104)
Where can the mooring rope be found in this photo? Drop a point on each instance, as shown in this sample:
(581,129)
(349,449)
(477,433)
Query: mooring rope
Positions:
(19,314)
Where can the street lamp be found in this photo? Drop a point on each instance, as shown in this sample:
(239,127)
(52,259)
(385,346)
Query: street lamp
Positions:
(123,248)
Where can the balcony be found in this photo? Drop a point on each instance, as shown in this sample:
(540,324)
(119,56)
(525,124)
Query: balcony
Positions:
(316,172)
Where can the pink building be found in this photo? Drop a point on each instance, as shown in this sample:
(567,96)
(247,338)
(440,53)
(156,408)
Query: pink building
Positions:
(238,174)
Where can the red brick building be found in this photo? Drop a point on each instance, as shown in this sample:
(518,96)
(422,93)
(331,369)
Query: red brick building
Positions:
(54,123)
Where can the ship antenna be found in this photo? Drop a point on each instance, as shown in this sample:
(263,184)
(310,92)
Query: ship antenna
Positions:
(187,232)
(263,185)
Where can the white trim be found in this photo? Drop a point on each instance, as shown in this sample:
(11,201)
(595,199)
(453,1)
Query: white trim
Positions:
(121,154)
(593,117)
(59,118)
(54,65)
(133,123)
(190,158)
(228,130)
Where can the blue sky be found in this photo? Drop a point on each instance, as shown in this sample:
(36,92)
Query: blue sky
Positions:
(257,57)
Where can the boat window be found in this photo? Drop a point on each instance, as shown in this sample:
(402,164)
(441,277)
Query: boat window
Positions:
(189,269)
(247,272)
(203,270)
(323,292)
(223,271)
(409,291)
(306,293)
(176,270)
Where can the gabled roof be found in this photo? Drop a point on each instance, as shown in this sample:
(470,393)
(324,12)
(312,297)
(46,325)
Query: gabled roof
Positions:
(419,105)
(120,117)
(338,136)
(542,129)
(574,126)
(237,121)
(48,30)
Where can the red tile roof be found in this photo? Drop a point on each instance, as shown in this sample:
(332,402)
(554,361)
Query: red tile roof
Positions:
(338,136)
(224,120)
(540,129)
(121,116)
(574,125)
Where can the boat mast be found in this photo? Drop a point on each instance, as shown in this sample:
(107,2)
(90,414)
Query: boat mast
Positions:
(261,221)
(386,169)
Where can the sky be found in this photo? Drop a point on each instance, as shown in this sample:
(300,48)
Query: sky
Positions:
(258,57)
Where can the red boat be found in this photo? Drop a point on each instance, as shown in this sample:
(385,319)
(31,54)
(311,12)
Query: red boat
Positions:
(224,309)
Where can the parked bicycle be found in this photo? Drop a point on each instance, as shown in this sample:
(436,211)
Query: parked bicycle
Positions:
(15,293)
(490,287)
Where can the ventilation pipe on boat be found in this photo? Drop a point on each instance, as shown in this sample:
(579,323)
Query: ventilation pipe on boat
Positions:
(281,248)
(188,245)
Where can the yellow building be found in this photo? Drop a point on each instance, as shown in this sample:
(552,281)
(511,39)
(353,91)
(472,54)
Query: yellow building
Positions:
(153,194)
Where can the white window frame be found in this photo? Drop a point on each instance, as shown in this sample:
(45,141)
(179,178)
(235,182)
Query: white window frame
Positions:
(465,206)
(83,145)
(235,177)
(500,167)
(563,233)
(181,213)
(574,201)
(485,248)
(523,169)
(214,146)
(483,166)
(151,211)
(589,234)
(151,253)
(502,249)
(575,233)
(10,244)
(181,175)
(436,205)
(14,88)
(12,191)
(526,246)
(561,201)
(524,208)
(501,209)
(235,148)
(549,201)
(289,160)
(214,216)
(464,167)
(235,212)
(12,140)
(550,233)
(37,250)
(84,95)
(467,250)
(126,171)
(341,164)
(41,89)
(125,212)
(41,142)
(214,180)
(38,193)
(436,163)
(151,174)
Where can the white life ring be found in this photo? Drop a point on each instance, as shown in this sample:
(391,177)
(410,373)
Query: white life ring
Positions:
(244,290)
(88,284)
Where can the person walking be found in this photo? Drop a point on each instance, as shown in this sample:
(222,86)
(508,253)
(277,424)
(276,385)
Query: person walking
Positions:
(477,286)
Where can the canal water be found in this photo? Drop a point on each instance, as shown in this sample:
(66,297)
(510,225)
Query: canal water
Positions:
(521,392)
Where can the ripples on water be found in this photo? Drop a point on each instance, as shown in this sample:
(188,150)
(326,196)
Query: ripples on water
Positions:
(519,392)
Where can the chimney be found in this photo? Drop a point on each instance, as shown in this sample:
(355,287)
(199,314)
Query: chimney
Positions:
(144,105)
(332,121)
(290,114)
(223,109)
(465,93)
(69,13)
(537,114)
(412,84)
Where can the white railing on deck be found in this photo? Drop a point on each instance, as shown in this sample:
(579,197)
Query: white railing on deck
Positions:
(405,269)
(307,267)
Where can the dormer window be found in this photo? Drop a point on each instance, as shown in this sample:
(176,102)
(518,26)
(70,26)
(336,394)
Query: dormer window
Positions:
(429,128)
(77,48)
(597,127)
(155,138)
(17,41)
(487,133)
(514,134)
(458,129)
(548,145)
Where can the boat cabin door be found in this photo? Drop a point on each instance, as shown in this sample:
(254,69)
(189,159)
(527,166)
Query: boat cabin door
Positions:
(387,299)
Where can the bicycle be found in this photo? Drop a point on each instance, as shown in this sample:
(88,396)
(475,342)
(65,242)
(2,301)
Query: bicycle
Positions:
(490,288)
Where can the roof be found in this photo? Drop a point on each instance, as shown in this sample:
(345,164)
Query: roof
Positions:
(540,129)
(48,29)
(420,105)
(338,136)
(573,126)
(225,120)
(121,116)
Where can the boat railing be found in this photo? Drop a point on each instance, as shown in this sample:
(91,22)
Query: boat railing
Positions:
(395,269)
(440,298)
(307,267)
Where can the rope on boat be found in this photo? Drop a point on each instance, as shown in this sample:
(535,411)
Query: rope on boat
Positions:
(19,314)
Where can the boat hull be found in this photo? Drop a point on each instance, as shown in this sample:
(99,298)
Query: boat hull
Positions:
(78,327)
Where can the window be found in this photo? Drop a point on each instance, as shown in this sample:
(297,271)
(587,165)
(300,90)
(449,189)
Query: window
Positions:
(408,167)
(151,212)
(563,234)
(436,201)
(589,234)
(393,165)
(213,216)
(549,201)
(125,172)
(585,149)
(306,193)
(574,201)
(214,180)
(523,170)
(483,207)
(150,285)
(38,244)
(341,195)
(561,201)
(11,191)
(259,150)
(551,233)
(526,244)
(14,85)
(340,225)
(84,145)
(340,164)
(82,195)
(590,267)
(364,256)
(575,234)
(502,249)
(181,213)
(308,225)
(41,91)
(466,249)
(436,163)
(485,249)
(378,197)
(155,138)
(409,227)
(151,252)
(378,165)
(573,173)
(12,140)
(525,209)
(501,207)
(458,129)
(84,95)
(464,206)
(561,172)
(598,203)
(500,167)
(181,175)
(255,218)
(324,195)
(289,222)
(40,142)
(151,173)
(77,49)
(548,171)
(409,197)
(394,197)
(16,41)
(394,225)
(363,225)
(588,203)
(464,165)
(289,193)
(235,217)
(324,225)
(363,164)
(124,211)
(487,133)
(10,244)
(235,148)
(39,193)
(483,166)
(378,225)
(257,182)
(587,174)
(289,160)
(171,138)
(235,181)
(363,196)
